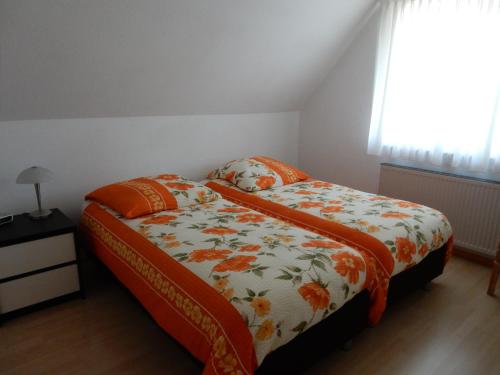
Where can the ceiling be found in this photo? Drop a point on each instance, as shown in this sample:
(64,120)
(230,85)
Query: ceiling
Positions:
(107,58)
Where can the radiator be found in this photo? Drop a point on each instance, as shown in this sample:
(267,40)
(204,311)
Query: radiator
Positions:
(473,207)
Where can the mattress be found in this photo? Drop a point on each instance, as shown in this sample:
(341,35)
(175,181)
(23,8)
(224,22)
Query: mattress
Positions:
(229,283)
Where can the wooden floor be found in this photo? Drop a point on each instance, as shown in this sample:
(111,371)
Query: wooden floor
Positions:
(452,329)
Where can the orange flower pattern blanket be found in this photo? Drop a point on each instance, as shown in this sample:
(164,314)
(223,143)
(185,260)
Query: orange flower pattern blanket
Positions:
(393,234)
(408,230)
(281,279)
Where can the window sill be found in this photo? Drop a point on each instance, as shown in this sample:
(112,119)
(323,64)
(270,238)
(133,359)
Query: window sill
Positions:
(476,176)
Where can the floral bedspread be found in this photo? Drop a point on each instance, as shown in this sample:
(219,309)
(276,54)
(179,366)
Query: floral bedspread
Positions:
(282,279)
(409,230)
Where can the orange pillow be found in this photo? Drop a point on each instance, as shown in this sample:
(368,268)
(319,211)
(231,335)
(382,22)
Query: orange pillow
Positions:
(258,173)
(147,195)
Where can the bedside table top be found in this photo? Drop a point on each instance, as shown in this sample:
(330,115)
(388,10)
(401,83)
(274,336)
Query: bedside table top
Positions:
(25,229)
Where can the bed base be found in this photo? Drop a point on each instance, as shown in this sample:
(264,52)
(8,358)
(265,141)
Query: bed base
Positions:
(417,277)
(325,337)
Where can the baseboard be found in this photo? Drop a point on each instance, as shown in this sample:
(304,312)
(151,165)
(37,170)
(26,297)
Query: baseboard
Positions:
(473,256)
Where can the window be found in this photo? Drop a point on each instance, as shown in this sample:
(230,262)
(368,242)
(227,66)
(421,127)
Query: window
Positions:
(437,83)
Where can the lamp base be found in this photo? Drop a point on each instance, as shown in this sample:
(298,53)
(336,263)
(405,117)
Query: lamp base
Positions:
(40,214)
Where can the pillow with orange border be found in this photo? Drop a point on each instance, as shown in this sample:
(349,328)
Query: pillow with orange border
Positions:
(147,195)
(258,173)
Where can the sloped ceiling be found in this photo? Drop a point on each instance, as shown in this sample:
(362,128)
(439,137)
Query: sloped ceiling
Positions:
(104,58)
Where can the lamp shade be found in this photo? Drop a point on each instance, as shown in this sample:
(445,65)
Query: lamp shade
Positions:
(34,175)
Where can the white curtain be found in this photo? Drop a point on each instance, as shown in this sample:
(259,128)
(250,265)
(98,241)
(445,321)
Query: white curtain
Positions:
(437,83)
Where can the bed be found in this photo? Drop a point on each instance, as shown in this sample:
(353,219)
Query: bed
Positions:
(230,284)
(398,234)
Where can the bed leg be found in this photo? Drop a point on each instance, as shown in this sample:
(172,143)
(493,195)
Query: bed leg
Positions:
(427,286)
(347,346)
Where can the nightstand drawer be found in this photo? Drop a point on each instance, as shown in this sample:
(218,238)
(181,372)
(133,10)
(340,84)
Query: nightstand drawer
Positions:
(43,286)
(33,255)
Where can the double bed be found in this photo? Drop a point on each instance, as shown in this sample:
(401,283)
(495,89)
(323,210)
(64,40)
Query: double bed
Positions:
(245,279)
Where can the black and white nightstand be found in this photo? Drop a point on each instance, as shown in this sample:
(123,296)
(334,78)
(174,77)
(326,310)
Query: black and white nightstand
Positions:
(38,263)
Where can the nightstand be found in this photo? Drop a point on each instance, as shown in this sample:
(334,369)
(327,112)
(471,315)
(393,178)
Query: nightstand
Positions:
(38,263)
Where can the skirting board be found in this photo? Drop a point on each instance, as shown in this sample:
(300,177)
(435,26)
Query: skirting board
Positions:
(473,256)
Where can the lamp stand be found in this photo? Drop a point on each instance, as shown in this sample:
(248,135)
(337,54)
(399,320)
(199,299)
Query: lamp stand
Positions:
(40,213)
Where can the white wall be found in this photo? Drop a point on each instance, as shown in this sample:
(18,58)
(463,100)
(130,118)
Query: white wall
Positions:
(122,58)
(87,153)
(335,122)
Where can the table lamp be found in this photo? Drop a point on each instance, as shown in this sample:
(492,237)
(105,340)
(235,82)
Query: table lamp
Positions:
(36,176)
